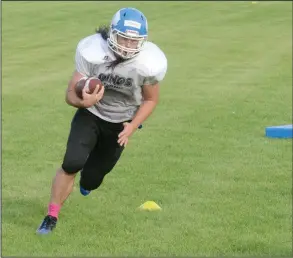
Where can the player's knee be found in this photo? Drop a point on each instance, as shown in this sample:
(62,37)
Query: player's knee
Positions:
(72,166)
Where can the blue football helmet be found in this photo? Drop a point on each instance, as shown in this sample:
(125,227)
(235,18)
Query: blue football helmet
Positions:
(128,32)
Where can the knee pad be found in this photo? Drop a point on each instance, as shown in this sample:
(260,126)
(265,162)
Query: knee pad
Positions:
(72,166)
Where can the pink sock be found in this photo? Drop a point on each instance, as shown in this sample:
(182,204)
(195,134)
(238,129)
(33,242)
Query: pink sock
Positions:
(53,210)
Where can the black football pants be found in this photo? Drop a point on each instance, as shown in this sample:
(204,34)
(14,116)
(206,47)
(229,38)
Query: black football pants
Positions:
(92,148)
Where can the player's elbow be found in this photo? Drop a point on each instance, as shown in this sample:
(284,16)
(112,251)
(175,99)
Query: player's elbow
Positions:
(155,100)
(152,101)
(67,97)
(67,101)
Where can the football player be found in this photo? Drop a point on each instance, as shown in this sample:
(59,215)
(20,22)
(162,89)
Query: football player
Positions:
(130,68)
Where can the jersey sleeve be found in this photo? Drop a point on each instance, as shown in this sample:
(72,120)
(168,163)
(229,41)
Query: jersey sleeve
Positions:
(81,64)
(155,77)
(156,69)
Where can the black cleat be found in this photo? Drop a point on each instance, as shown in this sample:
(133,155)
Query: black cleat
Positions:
(48,224)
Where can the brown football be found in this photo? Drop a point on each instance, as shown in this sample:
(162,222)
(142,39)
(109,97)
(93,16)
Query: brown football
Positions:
(91,83)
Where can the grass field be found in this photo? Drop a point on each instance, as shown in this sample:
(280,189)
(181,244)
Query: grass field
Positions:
(224,188)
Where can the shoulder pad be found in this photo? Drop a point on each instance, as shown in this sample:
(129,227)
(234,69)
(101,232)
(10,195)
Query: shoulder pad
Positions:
(152,62)
(92,49)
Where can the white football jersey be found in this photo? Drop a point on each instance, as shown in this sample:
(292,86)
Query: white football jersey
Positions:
(123,85)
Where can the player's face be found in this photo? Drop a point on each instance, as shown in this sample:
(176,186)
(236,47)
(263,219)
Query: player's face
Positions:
(126,46)
(127,42)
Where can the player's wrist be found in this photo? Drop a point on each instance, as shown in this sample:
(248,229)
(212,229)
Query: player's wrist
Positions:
(86,104)
(134,124)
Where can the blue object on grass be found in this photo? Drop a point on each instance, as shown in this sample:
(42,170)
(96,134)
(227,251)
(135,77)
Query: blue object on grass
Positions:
(281,131)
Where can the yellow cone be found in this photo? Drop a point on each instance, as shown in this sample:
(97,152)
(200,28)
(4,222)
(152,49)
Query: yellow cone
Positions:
(149,206)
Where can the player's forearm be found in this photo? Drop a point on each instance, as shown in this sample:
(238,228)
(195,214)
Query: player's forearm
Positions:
(143,112)
(72,99)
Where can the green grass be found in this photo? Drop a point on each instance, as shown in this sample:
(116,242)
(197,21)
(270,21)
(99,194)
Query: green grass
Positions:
(224,188)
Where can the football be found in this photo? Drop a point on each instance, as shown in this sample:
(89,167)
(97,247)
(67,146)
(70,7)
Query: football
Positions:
(90,83)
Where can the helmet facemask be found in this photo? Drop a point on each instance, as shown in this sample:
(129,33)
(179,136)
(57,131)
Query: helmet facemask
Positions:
(126,45)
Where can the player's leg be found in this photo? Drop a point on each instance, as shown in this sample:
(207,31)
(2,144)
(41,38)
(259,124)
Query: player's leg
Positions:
(81,141)
(102,159)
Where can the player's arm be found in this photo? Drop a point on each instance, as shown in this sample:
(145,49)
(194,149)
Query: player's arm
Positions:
(150,93)
(83,68)
(71,98)
(88,99)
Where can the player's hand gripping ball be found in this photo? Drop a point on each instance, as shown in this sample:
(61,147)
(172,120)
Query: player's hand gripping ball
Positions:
(89,84)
